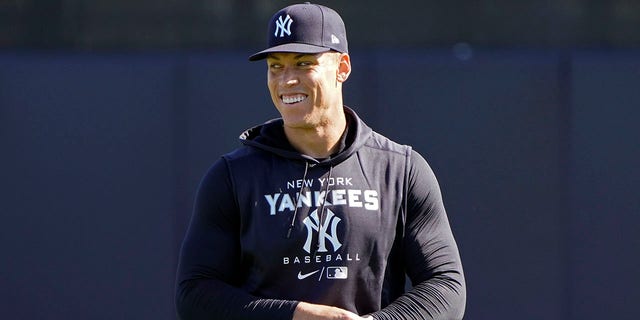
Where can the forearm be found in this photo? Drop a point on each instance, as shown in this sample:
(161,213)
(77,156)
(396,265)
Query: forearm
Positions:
(442,297)
(213,299)
(309,311)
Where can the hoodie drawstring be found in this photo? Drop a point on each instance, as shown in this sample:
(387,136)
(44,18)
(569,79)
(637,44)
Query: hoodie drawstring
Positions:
(322,204)
(295,210)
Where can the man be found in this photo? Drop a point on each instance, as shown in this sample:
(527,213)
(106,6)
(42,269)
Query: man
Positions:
(317,216)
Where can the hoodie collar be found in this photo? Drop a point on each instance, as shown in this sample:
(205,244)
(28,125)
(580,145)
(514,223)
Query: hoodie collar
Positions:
(270,137)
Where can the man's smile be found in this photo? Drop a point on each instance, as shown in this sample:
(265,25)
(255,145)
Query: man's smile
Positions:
(291,99)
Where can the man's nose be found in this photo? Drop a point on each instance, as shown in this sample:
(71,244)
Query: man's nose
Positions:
(290,77)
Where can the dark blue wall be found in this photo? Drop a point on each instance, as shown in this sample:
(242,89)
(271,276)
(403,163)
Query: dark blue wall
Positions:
(536,153)
(605,179)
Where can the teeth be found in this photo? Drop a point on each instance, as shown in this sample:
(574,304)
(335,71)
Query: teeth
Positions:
(293,99)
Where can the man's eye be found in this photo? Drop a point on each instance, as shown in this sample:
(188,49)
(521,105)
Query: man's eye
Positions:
(275,66)
(304,63)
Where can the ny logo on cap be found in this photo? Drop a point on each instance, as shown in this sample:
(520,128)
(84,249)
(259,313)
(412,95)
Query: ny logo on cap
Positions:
(284,26)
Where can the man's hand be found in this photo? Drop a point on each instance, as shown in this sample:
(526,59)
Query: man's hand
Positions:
(309,311)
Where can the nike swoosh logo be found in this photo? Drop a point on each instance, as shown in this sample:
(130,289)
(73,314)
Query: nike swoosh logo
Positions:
(306,275)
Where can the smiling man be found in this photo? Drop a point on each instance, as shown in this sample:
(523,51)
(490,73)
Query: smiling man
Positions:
(317,216)
(307,91)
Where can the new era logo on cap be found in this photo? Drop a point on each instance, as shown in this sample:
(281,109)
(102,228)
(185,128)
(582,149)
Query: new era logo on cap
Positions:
(305,28)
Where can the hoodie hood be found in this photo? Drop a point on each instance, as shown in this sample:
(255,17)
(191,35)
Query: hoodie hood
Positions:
(270,137)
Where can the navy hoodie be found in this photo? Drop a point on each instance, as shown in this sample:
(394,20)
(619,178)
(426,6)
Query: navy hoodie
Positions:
(272,227)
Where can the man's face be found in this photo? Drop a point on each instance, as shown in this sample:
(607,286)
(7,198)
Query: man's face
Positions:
(306,88)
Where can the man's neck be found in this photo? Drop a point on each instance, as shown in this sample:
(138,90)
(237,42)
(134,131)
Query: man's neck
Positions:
(320,142)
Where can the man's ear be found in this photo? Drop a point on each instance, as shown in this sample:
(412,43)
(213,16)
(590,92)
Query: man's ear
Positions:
(344,67)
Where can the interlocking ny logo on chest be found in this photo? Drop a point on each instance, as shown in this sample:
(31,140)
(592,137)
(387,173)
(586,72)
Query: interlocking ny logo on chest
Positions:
(327,231)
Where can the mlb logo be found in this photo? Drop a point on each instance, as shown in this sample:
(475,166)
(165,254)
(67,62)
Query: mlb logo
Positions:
(337,272)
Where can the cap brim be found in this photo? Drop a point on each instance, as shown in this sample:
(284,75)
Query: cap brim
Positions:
(289,47)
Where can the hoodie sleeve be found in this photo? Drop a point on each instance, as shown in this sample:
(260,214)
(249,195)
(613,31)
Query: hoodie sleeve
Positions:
(430,254)
(209,267)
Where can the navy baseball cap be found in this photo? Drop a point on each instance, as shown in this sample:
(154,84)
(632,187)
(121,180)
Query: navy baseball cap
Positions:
(305,28)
